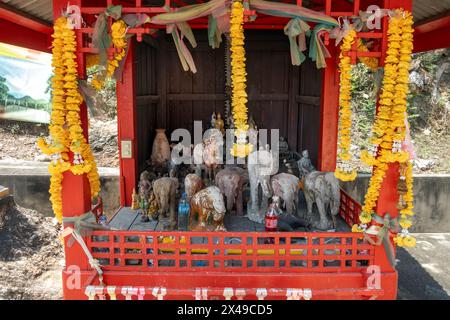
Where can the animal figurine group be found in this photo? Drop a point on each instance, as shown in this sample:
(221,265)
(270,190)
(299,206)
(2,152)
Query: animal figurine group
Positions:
(223,190)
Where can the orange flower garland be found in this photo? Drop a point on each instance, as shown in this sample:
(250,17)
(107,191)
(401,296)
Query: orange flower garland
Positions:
(343,170)
(238,78)
(65,129)
(389,129)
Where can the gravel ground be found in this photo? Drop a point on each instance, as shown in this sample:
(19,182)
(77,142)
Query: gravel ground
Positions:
(30,256)
(424,271)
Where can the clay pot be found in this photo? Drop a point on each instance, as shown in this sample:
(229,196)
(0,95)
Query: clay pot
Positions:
(161,148)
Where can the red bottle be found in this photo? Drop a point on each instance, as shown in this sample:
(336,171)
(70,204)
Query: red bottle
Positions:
(271,219)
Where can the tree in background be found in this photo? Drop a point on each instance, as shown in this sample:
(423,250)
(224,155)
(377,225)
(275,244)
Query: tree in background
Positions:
(4,90)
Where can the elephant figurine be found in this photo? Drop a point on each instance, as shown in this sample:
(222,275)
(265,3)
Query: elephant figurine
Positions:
(231,181)
(323,189)
(262,164)
(208,208)
(165,190)
(192,184)
(285,186)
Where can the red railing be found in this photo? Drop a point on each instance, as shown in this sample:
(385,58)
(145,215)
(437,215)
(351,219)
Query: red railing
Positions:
(231,251)
(349,209)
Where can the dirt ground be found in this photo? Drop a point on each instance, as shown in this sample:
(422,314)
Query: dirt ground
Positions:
(30,256)
(18,141)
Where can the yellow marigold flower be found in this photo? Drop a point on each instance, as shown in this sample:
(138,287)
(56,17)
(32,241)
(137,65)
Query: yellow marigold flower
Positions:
(365,218)
(409,241)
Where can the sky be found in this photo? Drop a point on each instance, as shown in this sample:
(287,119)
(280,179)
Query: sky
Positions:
(26,71)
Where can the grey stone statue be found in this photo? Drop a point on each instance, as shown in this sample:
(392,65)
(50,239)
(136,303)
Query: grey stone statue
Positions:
(283,147)
(304,164)
(323,189)
(262,164)
(231,181)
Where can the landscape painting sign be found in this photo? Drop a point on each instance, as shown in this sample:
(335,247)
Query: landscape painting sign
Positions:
(24,84)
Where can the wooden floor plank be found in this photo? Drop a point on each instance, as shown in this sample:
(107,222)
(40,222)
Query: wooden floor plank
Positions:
(139,225)
(124,218)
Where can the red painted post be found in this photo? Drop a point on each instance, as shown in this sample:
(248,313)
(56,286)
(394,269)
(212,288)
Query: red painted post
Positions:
(329,109)
(126,121)
(76,195)
(388,199)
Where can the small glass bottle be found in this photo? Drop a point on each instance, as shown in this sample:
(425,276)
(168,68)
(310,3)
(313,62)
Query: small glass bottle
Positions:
(183,213)
(103,220)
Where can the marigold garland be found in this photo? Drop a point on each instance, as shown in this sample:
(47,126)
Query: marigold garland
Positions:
(238,78)
(389,129)
(343,170)
(119,41)
(370,62)
(65,129)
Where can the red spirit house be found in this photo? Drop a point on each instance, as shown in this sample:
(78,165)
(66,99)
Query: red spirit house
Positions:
(156,93)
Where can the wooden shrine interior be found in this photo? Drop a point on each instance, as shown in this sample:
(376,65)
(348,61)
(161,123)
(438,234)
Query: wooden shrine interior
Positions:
(281,96)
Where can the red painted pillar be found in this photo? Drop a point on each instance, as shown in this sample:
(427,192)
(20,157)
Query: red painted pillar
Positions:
(76,195)
(329,110)
(126,121)
(388,199)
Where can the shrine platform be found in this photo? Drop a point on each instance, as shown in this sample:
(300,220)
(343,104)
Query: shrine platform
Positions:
(128,219)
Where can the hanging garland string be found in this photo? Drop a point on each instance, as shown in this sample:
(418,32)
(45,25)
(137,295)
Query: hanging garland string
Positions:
(238,79)
(344,170)
(66,133)
(389,129)
(119,44)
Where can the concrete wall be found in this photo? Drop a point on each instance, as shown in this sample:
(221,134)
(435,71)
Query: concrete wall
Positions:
(29,182)
(431,200)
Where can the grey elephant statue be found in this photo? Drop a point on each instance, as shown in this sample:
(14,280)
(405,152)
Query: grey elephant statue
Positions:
(231,181)
(286,186)
(262,164)
(323,189)
(165,190)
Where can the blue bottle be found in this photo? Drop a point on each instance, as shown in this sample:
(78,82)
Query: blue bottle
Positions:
(183,213)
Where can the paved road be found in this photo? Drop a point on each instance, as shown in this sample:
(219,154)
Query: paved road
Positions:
(424,271)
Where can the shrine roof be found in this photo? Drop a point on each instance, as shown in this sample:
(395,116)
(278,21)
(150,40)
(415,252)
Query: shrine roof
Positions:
(432,17)
(43,9)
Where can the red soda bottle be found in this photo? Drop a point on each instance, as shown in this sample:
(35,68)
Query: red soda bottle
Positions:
(271,219)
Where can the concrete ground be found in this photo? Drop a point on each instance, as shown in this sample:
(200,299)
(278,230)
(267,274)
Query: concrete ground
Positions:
(424,271)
